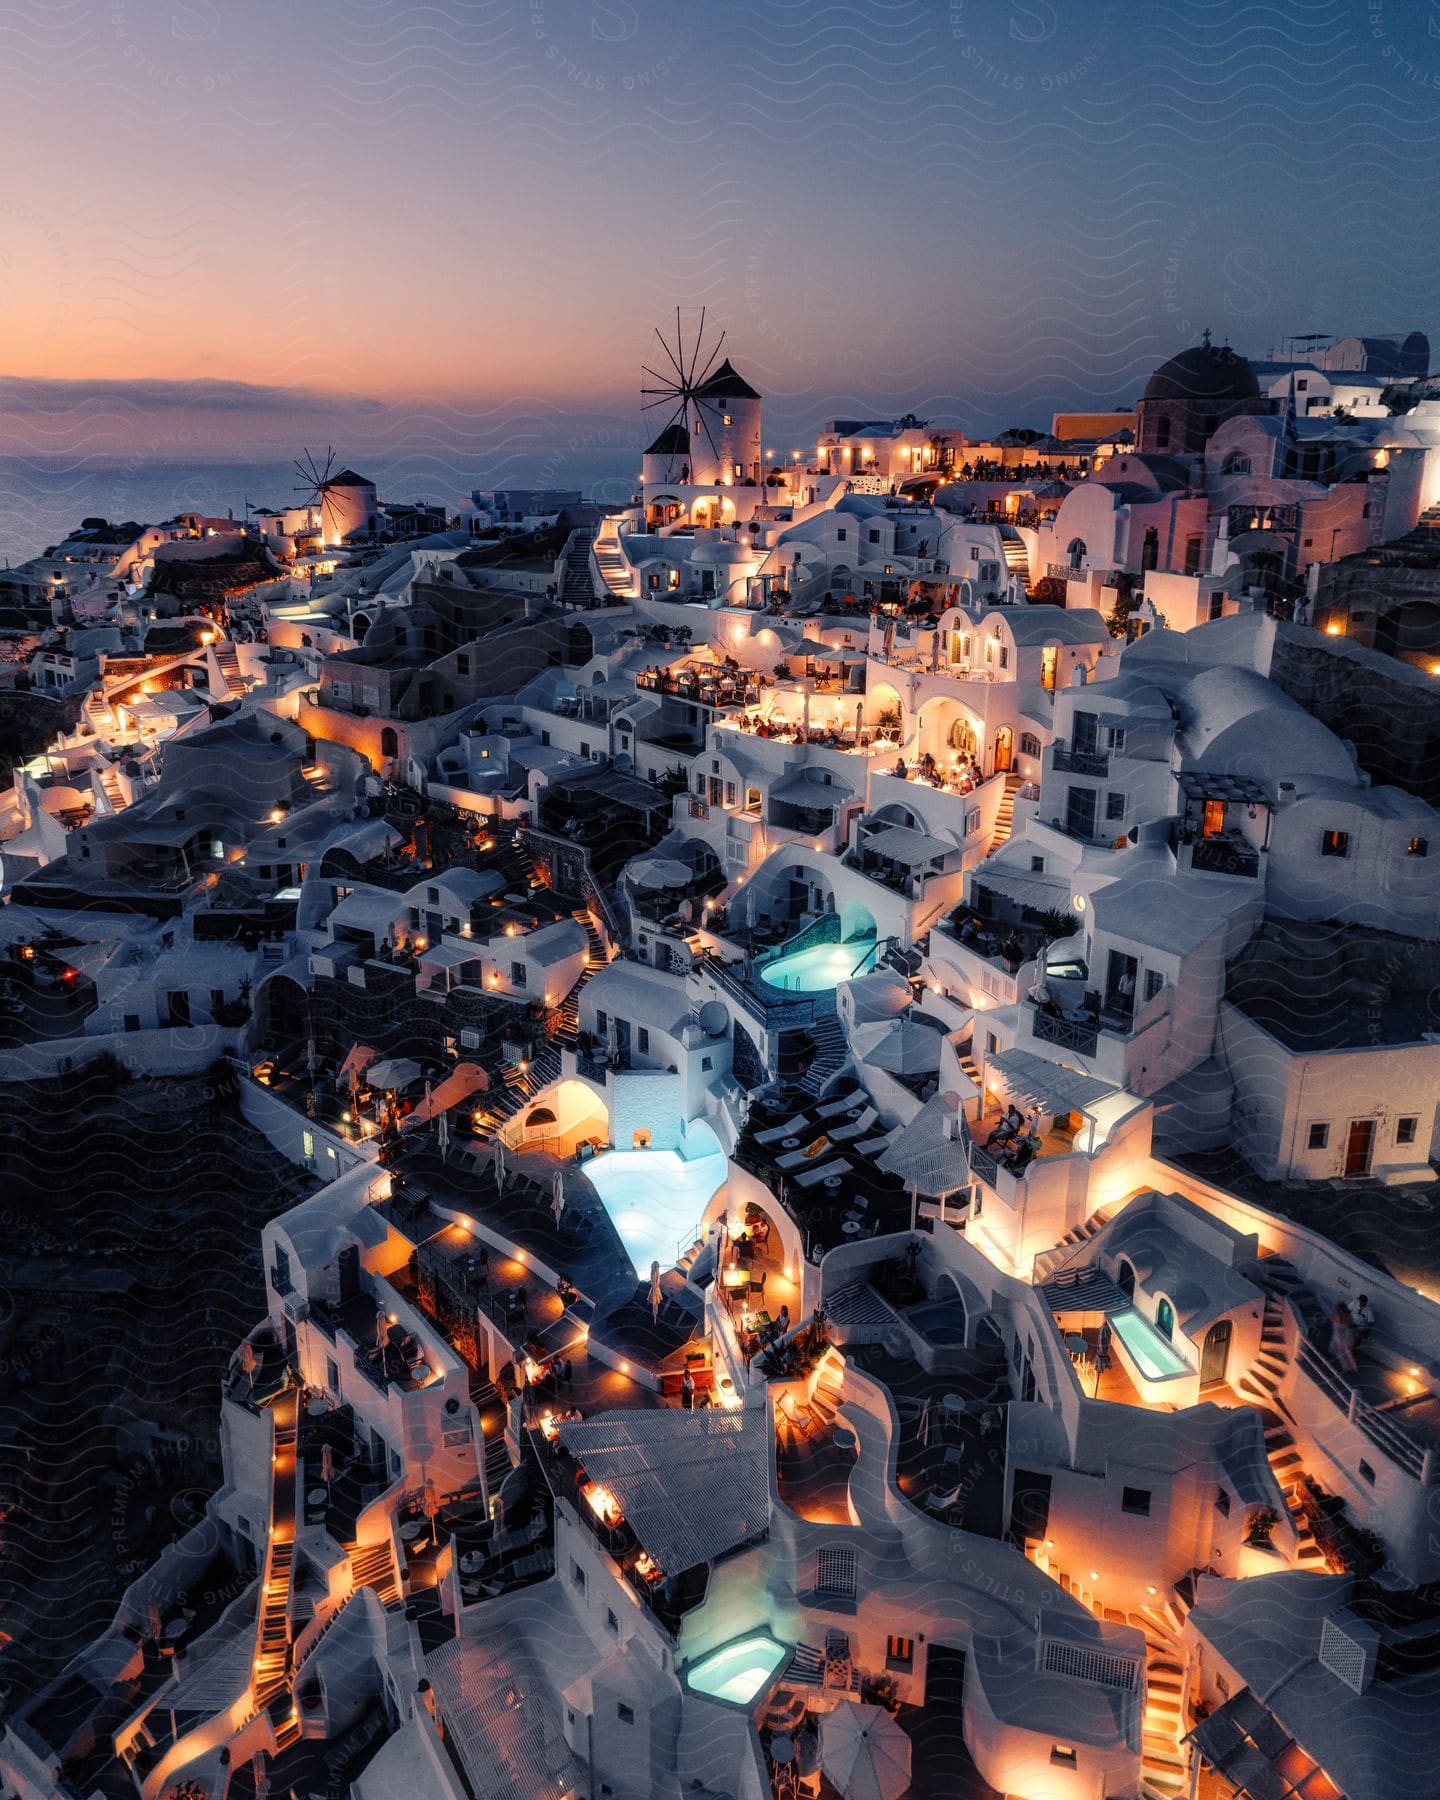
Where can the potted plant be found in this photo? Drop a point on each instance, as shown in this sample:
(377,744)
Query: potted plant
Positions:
(1259,1526)
(879,1690)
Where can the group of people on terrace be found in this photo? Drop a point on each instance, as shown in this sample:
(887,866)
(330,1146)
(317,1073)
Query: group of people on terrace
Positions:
(1015,1139)
(963,776)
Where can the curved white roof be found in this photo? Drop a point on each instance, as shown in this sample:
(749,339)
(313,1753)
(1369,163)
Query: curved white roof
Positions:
(1238,723)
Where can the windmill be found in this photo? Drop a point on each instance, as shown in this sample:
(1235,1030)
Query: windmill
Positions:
(317,484)
(673,395)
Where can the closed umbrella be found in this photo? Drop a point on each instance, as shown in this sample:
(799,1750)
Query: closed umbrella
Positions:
(442,1136)
(865,1753)
(557,1194)
(499,1165)
(656,1293)
(327,1464)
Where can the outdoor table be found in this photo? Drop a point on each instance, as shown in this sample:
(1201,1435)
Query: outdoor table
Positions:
(176,1629)
(317,1496)
(844,1438)
(317,1407)
(471,1561)
(411,1530)
(735,1279)
(850,1228)
(791,1143)
(1076,1344)
(782,1749)
(761,1320)
(832,1181)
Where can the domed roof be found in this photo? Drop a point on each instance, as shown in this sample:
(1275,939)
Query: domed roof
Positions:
(674,440)
(1209,372)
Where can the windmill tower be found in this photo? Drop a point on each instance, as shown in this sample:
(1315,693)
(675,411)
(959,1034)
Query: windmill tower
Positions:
(709,416)
(345,504)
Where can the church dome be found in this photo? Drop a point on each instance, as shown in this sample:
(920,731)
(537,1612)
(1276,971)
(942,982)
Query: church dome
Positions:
(1212,373)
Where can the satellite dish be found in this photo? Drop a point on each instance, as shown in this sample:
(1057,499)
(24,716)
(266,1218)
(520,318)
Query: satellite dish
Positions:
(714,1018)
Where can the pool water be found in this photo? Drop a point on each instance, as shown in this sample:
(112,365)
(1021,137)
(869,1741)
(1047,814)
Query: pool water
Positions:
(1155,1357)
(738,1672)
(654,1199)
(820,967)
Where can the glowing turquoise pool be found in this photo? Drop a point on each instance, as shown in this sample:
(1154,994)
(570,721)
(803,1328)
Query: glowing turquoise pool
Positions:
(655,1197)
(819,967)
(1155,1357)
(739,1673)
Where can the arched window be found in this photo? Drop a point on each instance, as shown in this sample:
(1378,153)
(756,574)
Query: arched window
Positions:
(1125,1278)
(1236,463)
(1077,552)
(542,1115)
(389,741)
(1165,1318)
(1029,744)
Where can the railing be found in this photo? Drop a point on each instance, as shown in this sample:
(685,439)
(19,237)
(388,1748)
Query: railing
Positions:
(1067,1033)
(699,807)
(983,1164)
(1222,857)
(1398,1445)
(1071,761)
(1072,572)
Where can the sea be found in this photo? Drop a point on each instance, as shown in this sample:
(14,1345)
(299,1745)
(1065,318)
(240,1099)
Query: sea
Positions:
(43,498)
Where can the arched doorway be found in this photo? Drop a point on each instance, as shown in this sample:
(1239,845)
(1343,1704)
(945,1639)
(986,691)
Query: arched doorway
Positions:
(389,741)
(1215,1353)
(961,737)
(1125,1278)
(1165,1318)
(1076,551)
(1004,749)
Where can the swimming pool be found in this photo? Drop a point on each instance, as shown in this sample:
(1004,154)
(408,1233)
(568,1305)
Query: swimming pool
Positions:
(819,967)
(654,1198)
(738,1673)
(1155,1357)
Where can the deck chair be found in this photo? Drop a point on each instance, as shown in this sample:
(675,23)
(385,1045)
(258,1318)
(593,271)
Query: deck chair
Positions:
(792,1128)
(834,1108)
(842,1134)
(823,1173)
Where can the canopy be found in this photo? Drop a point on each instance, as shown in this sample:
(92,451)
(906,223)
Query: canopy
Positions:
(660,872)
(394,1072)
(864,1753)
(899,844)
(1041,893)
(464,1079)
(1049,1087)
(693,1485)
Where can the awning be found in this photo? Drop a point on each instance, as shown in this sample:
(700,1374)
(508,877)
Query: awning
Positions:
(902,1047)
(1041,893)
(464,1079)
(1257,1756)
(1049,1087)
(898,843)
(692,1485)
(449,956)
(1201,784)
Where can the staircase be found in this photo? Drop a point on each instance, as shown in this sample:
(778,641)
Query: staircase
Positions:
(576,586)
(229,663)
(857,1307)
(497,1461)
(114,793)
(565,1022)
(1261,1381)
(1081,1234)
(831,1052)
(1164,1760)
(272,1628)
(373,1566)
(1005,818)
(614,571)
(517,1088)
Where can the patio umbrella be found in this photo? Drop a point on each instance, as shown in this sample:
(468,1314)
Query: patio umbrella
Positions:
(557,1194)
(859,719)
(660,872)
(394,1072)
(442,1136)
(805,716)
(865,1753)
(499,1165)
(935,651)
(905,1048)
(312,1058)
(656,1293)
(889,639)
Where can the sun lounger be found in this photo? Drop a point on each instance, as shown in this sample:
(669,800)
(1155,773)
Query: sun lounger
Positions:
(823,1173)
(792,1129)
(873,1146)
(798,1159)
(842,1134)
(836,1107)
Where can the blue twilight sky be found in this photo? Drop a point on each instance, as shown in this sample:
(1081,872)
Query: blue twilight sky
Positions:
(437,228)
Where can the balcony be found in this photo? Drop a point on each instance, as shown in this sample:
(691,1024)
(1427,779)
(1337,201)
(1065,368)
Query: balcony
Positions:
(1069,572)
(1067,1034)
(1071,761)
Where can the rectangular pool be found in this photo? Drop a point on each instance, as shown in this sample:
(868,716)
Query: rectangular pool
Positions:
(738,1673)
(1155,1357)
(820,967)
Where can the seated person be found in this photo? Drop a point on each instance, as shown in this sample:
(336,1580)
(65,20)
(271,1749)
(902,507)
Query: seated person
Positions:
(1005,1128)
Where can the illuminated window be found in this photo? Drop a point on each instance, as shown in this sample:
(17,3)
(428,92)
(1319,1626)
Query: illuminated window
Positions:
(1063,1756)
(726,419)
(1417,846)
(899,1652)
(1335,843)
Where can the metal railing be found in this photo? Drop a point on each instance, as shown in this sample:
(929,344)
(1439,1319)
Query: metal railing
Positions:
(1220,856)
(1398,1445)
(1071,761)
(1067,1033)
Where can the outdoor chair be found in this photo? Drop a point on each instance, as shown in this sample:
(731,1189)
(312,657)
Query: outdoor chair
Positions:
(792,1128)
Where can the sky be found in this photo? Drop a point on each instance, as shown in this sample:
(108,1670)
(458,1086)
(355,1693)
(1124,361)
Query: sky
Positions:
(441,227)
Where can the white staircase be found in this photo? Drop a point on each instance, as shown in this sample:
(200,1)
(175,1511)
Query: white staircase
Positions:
(1005,818)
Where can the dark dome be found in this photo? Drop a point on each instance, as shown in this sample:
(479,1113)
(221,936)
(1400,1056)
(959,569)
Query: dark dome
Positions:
(1210,372)
(727,383)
